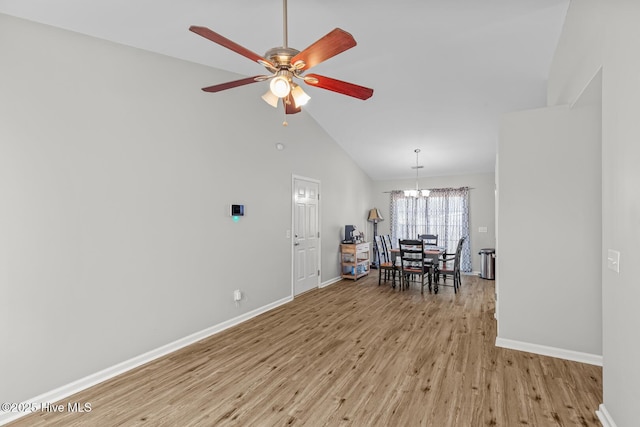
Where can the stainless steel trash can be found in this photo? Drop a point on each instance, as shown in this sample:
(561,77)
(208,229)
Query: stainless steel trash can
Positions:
(487,263)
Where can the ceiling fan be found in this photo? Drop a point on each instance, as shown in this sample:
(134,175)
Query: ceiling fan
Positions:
(286,64)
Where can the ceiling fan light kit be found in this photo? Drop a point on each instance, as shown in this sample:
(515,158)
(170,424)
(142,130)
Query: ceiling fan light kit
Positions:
(286,64)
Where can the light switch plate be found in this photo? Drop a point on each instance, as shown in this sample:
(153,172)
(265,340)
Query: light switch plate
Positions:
(482,229)
(613,260)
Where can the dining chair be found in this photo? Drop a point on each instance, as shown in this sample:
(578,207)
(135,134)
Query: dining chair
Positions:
(414,265)
(386,239)
(392,255)
(451,266)
(429,239)
(384,262)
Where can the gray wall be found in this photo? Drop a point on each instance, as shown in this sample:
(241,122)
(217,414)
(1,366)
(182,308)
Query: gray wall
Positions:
(116,173)
(481,205)
(548,256)
(621,209)
(604,35)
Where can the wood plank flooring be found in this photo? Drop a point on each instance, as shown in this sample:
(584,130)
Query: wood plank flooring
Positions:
(351,354)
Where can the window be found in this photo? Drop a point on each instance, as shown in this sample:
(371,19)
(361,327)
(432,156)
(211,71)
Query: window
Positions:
(444,212)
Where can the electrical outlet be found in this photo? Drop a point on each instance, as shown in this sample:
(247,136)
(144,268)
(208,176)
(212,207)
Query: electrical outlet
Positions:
(237,295)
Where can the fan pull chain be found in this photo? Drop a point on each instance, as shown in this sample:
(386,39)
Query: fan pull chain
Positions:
(284,113)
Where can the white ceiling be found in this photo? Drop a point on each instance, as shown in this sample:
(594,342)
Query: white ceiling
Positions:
(443,71)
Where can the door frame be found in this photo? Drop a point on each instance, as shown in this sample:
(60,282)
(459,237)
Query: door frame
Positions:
(293,227)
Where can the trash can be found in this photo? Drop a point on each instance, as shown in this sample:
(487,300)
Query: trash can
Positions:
(487,263)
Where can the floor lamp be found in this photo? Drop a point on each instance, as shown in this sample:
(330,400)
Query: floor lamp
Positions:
(375,218)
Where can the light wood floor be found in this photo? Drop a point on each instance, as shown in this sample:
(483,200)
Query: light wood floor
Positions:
(351,354)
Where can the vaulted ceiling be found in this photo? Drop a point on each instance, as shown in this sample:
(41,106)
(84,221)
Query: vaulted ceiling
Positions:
(443,71)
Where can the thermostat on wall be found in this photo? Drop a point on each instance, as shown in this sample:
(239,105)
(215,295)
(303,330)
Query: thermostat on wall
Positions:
(237,210)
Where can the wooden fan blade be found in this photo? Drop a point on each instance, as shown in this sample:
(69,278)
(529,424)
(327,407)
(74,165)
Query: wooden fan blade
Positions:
(290,105)
(223,41)
(338,86)
(335,42)
(229,85)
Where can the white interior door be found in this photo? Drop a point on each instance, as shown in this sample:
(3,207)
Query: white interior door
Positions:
(306,235)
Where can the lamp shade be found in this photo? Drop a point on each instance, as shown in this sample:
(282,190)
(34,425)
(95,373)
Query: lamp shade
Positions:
(375,216)
(299,96)
(271,99)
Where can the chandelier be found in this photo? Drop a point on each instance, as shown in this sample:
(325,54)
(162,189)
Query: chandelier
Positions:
(417,192)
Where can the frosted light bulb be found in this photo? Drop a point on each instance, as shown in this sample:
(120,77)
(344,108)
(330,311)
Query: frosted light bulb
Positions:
(280,86)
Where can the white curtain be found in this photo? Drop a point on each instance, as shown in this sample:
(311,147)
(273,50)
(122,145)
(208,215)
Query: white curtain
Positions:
(444,212)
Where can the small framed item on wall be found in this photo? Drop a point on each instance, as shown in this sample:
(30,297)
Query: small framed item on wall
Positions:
(236,211)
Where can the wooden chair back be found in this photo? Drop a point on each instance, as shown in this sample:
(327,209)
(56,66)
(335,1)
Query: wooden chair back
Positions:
(429,239)
(413,263)
(383,255)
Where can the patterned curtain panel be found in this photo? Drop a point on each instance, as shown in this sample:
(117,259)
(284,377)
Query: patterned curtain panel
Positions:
(444,212)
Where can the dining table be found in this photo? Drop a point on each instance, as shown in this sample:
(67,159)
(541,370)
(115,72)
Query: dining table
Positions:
(430,251)
(433,252)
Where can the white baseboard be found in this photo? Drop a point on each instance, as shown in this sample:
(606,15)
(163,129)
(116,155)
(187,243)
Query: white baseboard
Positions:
(605,417)
(560,353)
(101,376)
(330,282)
